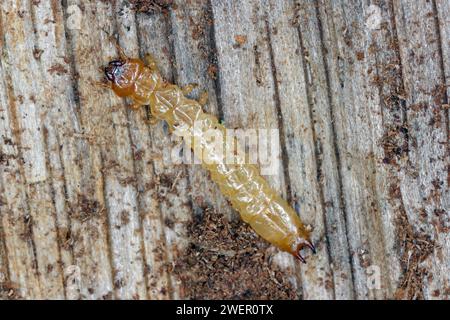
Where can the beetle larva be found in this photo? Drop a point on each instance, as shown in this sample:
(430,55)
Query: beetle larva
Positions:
(267,213)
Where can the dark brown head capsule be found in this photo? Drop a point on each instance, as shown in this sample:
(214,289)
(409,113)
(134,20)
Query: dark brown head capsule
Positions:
(113,69)
(123,75)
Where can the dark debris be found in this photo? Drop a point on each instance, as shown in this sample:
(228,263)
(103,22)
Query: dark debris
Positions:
(227,260)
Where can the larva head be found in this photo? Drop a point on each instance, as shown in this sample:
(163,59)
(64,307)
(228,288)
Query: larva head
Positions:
(123,75)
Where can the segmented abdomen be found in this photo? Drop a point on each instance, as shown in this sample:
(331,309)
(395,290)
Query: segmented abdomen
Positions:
(260,206)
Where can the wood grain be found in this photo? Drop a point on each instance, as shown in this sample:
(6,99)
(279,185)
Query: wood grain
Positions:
(91,207)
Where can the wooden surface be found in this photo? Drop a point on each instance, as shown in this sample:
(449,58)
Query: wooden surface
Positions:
(361,103)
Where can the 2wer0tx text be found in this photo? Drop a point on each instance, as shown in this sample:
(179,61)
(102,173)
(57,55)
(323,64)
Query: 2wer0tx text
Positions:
(232,309)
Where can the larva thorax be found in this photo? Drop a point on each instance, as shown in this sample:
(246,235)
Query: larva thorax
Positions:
(144,86)
(259,205)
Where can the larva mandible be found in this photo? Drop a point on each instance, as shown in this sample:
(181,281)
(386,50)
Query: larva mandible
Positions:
(263,208)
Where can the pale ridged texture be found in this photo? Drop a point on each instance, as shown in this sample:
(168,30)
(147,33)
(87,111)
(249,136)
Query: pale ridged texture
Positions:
(259,205)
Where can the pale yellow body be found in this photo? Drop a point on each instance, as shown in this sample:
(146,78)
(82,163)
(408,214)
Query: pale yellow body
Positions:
(259,205)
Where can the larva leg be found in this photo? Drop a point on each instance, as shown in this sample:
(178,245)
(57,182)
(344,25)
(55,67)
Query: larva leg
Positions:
(135,106)
(150,61)
(151,120)
(203,100)
(191,86)
(101,84)
(188,88)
